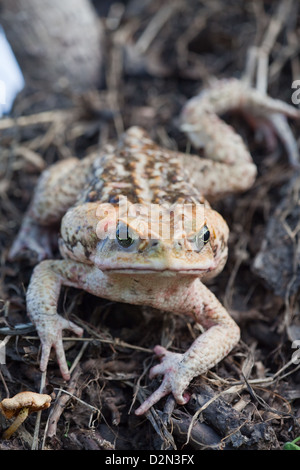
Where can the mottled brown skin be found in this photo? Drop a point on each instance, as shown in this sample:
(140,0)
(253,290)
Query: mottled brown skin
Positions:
(165,272)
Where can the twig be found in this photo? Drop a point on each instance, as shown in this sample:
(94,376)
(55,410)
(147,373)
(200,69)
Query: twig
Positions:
(38,118)
(4,384)
(137,387)
(115,342)
(259,56)
(155,25)
(71,395)
(35,442)
(61,402)
(79,356)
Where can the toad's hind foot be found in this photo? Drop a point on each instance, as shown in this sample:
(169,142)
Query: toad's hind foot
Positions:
(33,240)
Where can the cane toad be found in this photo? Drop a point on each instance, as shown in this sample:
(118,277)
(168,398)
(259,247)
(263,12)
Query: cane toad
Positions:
(136,228)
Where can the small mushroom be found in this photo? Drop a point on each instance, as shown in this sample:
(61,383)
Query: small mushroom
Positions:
(20,406)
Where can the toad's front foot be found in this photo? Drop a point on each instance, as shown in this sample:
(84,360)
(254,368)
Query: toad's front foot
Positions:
(175,379)
(50,333)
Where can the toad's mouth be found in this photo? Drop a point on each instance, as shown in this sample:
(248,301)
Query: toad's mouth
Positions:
(166,266)
(142,270)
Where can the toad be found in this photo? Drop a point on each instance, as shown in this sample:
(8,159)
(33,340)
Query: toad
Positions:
(137,227)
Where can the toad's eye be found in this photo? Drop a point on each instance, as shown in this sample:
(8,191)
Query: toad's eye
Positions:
(202,237)
(123,237)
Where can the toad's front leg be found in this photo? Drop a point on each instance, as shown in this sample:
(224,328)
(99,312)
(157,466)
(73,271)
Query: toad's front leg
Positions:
(208,349)
(187,295)
(42,298)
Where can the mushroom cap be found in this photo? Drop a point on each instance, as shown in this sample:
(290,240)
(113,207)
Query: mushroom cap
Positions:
(32,400)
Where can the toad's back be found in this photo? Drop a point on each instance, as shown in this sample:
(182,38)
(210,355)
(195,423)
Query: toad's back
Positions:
(141,171)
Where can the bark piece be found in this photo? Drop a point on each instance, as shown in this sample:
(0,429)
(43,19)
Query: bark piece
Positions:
(234,427)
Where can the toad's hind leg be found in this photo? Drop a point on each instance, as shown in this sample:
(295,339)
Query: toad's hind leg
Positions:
(228,166)
(233,170)
(56,191)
